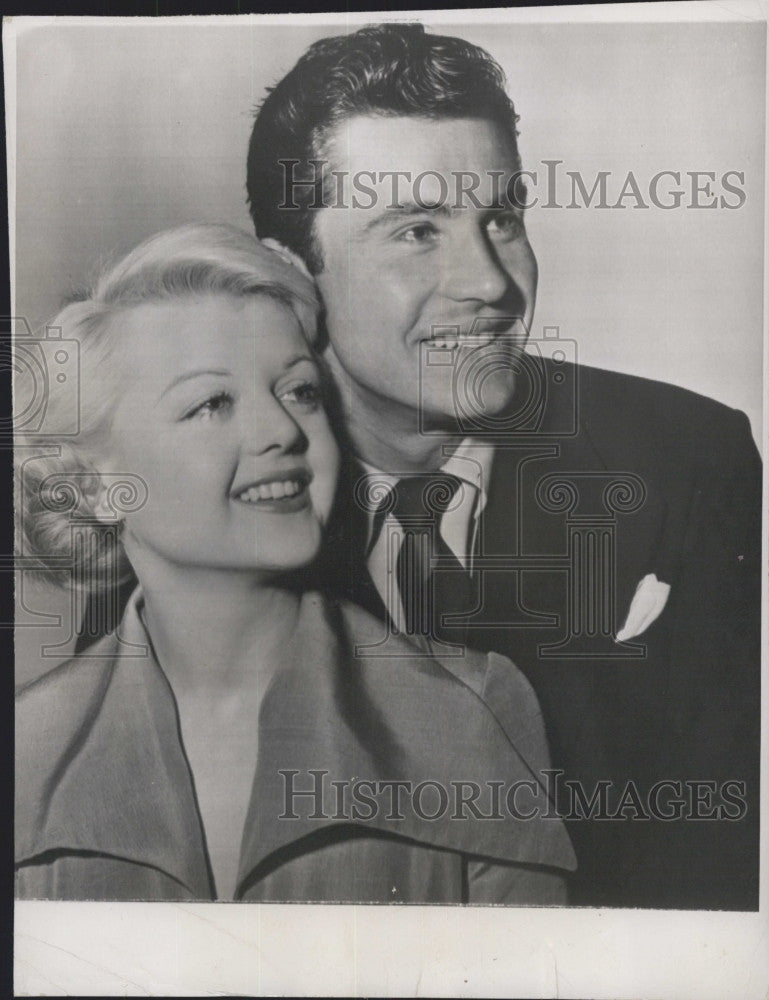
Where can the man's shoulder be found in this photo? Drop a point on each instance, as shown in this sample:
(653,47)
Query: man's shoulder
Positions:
(632,411)
(625,396)
(601,384)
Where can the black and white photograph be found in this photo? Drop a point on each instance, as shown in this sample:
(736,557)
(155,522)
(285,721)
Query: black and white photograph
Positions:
(388,419)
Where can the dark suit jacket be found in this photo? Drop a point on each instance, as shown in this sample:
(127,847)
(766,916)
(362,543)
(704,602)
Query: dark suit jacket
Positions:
(106,809)
(682,702)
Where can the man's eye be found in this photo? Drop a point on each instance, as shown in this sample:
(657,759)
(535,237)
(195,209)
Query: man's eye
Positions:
(308,395)
(423,232)
(505,226)
(220,403)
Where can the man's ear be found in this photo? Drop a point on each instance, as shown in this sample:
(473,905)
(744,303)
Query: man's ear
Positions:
(288,255)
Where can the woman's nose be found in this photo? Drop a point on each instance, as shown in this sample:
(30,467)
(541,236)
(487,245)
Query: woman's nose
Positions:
(271,428)
(472,270)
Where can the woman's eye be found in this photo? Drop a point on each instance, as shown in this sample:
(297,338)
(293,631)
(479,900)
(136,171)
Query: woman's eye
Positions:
(306,394)
(219,403)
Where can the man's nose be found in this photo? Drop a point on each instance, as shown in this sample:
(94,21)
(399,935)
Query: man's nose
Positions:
(472,270)
(266,428)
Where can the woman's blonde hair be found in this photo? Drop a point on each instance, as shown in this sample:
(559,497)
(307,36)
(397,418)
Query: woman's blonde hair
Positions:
(57,483)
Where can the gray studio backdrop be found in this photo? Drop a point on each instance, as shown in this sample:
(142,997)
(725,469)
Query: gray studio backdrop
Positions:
(127,127)
(124,129)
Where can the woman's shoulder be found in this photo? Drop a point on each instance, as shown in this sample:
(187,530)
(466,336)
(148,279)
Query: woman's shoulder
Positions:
(374,639)
(486,691)
(100,653)
(492,676)
(61,701)
(86,671)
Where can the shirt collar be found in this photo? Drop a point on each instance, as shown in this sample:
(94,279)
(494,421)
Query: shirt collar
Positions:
(471,461)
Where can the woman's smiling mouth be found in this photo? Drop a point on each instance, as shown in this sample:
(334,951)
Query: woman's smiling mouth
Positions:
(287,493)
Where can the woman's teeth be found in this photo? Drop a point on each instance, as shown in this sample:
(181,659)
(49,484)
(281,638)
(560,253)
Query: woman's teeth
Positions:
(276,490)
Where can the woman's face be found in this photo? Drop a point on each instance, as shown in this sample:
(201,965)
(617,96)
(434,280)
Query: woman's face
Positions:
(220,412)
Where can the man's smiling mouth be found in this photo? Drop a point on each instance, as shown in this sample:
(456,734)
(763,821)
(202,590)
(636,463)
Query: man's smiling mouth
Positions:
(485,330)
(468,340)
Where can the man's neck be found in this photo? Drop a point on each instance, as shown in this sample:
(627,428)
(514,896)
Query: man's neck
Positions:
(387,435)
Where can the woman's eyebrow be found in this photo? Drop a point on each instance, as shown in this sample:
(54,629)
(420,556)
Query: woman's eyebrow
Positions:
(194,374)
(297,359)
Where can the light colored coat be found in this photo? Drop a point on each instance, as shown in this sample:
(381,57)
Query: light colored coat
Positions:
(106,806)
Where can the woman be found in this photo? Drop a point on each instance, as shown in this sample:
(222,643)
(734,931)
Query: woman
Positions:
(226,742)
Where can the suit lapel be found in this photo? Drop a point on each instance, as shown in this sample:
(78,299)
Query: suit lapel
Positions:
(530,513)
(641,534)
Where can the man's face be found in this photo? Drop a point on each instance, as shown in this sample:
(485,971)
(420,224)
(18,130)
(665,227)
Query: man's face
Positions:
(397,278)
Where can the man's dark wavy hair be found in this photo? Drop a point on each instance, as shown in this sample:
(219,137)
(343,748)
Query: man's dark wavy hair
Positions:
(381,70)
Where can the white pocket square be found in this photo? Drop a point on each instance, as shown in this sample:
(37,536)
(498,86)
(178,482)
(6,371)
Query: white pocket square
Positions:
(650,598)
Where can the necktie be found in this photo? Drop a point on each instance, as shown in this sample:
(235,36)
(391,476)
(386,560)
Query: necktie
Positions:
(429,591)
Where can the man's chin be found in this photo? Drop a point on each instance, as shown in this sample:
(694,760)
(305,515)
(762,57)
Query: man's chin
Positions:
(469,411)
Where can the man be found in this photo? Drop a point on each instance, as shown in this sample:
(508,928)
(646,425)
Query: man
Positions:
(602,530)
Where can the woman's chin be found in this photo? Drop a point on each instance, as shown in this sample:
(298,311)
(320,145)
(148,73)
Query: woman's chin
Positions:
(286,555)
(282,553)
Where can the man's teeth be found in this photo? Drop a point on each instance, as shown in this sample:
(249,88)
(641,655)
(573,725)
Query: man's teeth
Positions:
(451,343)
(276,490)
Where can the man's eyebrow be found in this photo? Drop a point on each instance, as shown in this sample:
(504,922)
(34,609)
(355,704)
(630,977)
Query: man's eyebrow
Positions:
(187,376)
(402,213)
(399,213)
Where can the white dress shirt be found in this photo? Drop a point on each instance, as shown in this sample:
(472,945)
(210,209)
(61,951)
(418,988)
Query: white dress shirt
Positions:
(471,463)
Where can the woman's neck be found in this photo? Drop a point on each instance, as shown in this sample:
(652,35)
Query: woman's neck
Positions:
(216,633)
(219,637)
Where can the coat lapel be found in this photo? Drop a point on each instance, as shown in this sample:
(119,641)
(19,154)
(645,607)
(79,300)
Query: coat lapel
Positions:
(102,768)
(330,716)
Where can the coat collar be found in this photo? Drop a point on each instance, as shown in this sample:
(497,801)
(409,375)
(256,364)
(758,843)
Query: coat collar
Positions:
(111,775)
(100,765)
(393,716)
